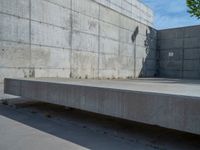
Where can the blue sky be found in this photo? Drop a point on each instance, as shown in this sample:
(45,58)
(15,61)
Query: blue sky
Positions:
(171,13)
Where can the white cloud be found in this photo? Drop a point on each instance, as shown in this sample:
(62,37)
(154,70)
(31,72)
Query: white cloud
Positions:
(171,13)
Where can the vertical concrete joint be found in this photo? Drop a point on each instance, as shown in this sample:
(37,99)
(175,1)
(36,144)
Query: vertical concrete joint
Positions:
(99,45)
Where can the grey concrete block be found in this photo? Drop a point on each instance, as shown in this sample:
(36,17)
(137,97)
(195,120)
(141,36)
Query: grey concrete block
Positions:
(84,42)
(108,30)
(52,58)
(108,46)
(17,7)
(126,62)
(171,54)
(108,61)
(108,73)
(125,36)
(171,34)
(43,34)
(167,73)
(194,74)
(192,53)
(109,16)
(52,72)
(193,42)
(84,64)
(192,65)
(64,3)
(14,29)
(193,31)
(170,44)
(88,7)
(14,72)
(180,44)
(85,24)
(44,11)
(14,55)
(171,65)
(126,49)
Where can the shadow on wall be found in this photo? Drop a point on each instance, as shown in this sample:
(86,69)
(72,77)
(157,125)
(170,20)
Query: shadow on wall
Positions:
(150,60)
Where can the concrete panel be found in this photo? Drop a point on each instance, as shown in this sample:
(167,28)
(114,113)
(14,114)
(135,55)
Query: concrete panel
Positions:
(13,72)
(191,74)
(192,65)
(192,53)
(167,73)
(44,11)
(126,62)
(128,23)
(193,31)
(109,16)
(141,40)
(171,65)
(126,49)
(85,24)
(15,7)
(183,47)
(108,62)
(84,42)
(84,64)
(172,54)
(108,30)
(14,29)
(43,34)
(51,72)
(45,57)
(108,74)
(64,3)
(170,44)
(87,7)
(108,46)
(171,34)
(14,54)
(126,74)
(144,52)
(193,42)
(125,36)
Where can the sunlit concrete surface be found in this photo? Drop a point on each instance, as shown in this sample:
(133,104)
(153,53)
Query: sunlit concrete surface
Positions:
(173,104)
(26,125)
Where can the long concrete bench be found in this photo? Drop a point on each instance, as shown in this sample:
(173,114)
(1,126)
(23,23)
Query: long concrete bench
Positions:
(172,104)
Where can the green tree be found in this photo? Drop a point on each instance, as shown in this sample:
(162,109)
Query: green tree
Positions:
(194,8)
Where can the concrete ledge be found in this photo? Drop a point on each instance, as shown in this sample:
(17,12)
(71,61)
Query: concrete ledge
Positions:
(120,99)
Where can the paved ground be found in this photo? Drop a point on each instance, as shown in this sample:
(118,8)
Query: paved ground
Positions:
(39,126)
(155,85)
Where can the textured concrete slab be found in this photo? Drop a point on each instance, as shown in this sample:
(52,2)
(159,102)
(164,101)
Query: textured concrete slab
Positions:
(168,103)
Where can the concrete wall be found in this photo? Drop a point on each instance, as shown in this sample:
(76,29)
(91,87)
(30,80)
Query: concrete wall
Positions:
(179,51)
(75,38)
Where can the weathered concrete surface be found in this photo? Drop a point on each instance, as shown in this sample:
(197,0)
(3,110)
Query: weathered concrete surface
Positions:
(26,124)
(172,104)
(179,50)
(77,39)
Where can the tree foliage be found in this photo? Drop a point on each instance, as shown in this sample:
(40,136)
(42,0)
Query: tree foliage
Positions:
(194,8)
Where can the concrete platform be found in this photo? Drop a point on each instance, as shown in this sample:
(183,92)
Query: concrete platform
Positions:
(173,104)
